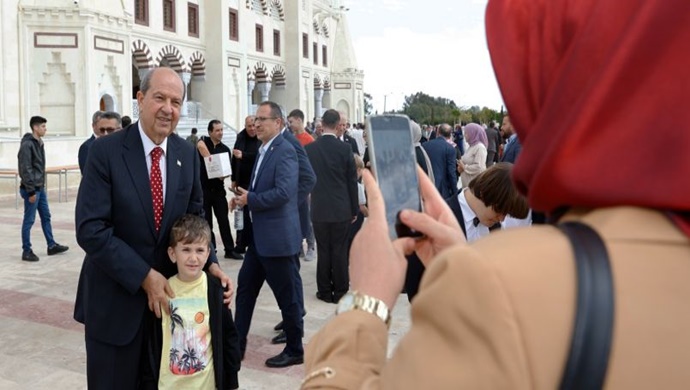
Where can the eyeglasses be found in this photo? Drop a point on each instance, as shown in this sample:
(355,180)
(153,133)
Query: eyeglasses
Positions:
(263,118)
(108,130)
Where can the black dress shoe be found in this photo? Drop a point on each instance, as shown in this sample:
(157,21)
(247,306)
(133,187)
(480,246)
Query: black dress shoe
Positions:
(328,298)
(279,326)
(57,248)
(239,250)
(284,360)
(281,338)
(233,255)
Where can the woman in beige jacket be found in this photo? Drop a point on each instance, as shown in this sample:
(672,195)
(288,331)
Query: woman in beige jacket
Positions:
(595,89)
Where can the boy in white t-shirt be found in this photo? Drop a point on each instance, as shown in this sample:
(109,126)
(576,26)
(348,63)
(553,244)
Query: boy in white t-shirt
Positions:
(196,346)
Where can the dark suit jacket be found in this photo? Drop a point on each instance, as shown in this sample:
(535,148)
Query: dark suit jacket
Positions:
(242,169)
(307,177)
(511,152)
(352,142)
(272,202)
(442,156)
(334,198)
(84,152)
(114,226)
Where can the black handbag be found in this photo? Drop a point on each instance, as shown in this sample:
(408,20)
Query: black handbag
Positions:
(591,341)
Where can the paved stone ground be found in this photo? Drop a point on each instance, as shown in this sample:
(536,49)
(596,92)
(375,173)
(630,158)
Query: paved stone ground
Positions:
(42,347)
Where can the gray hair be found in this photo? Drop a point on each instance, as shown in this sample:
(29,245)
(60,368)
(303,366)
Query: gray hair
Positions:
(95,117)
(111,115)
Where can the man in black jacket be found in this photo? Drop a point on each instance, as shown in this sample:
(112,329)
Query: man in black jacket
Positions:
(32,168)
(334,207)
(243,158)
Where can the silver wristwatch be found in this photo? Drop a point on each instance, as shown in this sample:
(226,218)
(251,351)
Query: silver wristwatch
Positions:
(358,301)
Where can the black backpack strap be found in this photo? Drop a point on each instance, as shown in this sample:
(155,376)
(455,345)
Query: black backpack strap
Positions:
(591,341)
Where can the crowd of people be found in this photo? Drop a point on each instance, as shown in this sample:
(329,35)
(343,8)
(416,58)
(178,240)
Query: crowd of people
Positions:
(492,307)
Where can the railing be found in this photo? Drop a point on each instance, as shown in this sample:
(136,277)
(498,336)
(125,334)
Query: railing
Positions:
(196,113)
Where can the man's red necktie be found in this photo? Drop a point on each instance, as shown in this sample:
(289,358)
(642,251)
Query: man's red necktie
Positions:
(156,180)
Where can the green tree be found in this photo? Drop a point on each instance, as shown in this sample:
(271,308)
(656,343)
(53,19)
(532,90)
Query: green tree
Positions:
(368,106)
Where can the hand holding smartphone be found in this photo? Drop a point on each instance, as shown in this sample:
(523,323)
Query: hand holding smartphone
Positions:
(394,165)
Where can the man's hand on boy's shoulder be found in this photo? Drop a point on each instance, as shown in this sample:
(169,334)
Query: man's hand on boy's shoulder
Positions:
(225,281)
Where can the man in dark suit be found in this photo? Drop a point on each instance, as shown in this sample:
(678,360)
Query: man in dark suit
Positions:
(102,124)
(342,133)
(494,138)
(274,244)
(443,161)
(137,183)
(334,207)
(244,154)
(513,147)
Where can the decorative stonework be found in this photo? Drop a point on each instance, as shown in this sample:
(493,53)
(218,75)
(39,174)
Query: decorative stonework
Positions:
(326,85)
(317,82)
(56,96)
(108,44)
(278,76)
(51,40)
(197,63)
(261,73)
(277,10)
(141,55)
(173,56)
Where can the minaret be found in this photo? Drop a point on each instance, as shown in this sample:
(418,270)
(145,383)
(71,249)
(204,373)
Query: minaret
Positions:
(347,81)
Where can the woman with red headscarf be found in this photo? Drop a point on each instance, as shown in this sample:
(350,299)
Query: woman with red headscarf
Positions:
(500,313)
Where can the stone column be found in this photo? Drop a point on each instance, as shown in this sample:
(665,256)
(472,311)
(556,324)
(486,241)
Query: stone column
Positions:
(318,98)
(251,108)
(264,90)
(186,77)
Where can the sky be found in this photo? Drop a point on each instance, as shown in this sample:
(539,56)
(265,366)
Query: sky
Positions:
(434,46)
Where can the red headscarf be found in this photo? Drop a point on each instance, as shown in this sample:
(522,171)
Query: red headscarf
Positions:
(598,92)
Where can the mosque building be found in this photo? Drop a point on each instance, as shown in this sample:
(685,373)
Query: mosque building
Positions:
(65,59)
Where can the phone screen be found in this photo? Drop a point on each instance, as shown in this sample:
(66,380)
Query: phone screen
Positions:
(394,165)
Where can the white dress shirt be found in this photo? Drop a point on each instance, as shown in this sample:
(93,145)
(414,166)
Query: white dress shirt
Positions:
(473,232)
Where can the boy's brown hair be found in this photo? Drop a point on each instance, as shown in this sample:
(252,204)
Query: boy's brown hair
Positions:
(188,229)
(495,189)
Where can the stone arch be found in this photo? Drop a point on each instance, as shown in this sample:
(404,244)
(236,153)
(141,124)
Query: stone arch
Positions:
(317,81)
(324,30)
(173,56)
(250,74)
(317,28)
(141,55)
(261,73)
(343,106)
(277,6)
(278,76)
(197,64)
(326,84)
(258,5)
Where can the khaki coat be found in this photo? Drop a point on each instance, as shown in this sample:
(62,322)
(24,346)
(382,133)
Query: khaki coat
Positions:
(498,314)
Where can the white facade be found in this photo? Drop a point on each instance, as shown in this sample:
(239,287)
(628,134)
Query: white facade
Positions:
(65,59)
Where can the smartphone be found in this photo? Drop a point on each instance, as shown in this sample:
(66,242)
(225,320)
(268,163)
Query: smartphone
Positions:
(394,165)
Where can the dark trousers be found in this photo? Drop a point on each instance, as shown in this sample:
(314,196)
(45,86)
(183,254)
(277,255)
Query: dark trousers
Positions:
(114,367)
(332,277)
(279,273)
(215,201)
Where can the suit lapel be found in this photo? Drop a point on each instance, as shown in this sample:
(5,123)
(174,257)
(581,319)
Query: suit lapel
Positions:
(267,157)
(135,161)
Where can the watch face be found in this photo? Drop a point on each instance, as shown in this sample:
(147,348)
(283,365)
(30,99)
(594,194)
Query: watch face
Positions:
(345,303)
